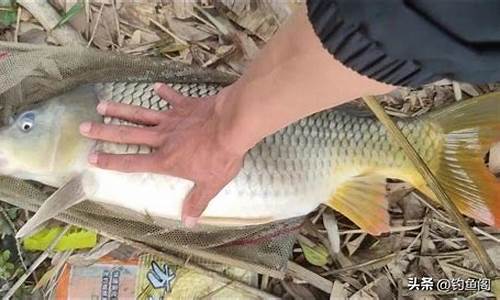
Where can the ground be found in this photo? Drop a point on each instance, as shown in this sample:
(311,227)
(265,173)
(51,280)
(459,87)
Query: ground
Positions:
(225,35)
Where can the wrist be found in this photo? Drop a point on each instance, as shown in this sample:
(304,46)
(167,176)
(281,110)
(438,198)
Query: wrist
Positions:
(236,131)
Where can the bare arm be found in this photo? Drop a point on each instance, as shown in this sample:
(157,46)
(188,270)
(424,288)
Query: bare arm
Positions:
(293,77)
(205,141)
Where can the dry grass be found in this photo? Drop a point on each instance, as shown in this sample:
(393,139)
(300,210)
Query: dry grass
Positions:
(226,35)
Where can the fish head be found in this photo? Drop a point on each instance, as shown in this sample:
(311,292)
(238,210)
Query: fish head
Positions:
(43,143)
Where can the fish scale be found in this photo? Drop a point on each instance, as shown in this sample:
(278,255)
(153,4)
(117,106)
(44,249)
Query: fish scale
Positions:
(333,157)
(142,94)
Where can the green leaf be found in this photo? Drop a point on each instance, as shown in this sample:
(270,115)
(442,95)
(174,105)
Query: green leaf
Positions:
(315,254)
(8,16)
(6,255)
(9,267)
(74,239)
(73,11)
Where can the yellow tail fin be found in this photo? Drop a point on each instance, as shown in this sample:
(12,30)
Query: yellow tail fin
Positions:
(470,127)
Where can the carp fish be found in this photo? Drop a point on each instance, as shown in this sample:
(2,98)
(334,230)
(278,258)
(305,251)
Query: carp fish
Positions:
(332,157)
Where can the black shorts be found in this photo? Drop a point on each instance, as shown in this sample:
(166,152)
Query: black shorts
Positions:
(412,42)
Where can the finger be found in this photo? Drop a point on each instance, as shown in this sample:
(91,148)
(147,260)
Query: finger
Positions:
(125,162)
(196,202)
(121,134)
(132,113)
(170,94)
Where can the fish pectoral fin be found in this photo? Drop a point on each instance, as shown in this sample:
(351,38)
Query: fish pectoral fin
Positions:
(70,194)
(362,200)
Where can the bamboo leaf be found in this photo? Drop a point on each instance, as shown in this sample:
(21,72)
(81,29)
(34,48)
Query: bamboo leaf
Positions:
(73,11)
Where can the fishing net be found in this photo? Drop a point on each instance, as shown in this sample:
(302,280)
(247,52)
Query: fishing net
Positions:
(32,73)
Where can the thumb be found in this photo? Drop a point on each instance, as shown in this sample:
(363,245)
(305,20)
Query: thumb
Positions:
(195,203)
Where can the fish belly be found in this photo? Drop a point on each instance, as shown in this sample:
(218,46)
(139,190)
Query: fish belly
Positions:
(254,196)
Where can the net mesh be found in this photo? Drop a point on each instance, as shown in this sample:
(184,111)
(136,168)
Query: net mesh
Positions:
(32,73)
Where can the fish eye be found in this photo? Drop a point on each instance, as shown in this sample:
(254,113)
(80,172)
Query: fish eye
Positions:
(26,121)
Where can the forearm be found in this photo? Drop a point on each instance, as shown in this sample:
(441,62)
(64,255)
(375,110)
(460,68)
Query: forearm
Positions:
(291,78)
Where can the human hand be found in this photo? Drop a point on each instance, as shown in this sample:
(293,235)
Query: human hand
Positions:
(188,142)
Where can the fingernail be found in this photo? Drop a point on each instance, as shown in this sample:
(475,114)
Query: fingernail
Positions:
(190,222)
(101,107)
(85,127)
(157,86)
(93,158)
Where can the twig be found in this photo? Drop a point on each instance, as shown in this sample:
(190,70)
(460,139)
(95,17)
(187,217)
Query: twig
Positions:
(320,212)
(117,24)
(486,234)
(391,230)
(470,273)
(385,258)
(475,228)
(94,30)
(408,249)
(211,294)
(88,18)
(124,22)
(18,21)
(423,199)
(332,230)
(296,270)
(35,264)
(483,257)
(183,42)
(264,282)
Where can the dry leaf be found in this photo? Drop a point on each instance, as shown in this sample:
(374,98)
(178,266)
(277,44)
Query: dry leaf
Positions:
(141,37)
(339,291)
(343,260)
(398,267)
(106,32)
(457,91)
(135,39)
(332,230)
(282,9)
(88,258)
(183,9)
(31,33)
(139,15)
(256,18)
(413,209)
(469,89)
(25,15)
(188,30)
(297,291)
(353,245)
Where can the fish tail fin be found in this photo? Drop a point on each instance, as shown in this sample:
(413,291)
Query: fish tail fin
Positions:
(469,129)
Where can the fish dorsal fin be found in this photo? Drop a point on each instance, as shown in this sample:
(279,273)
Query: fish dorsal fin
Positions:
(362,200)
